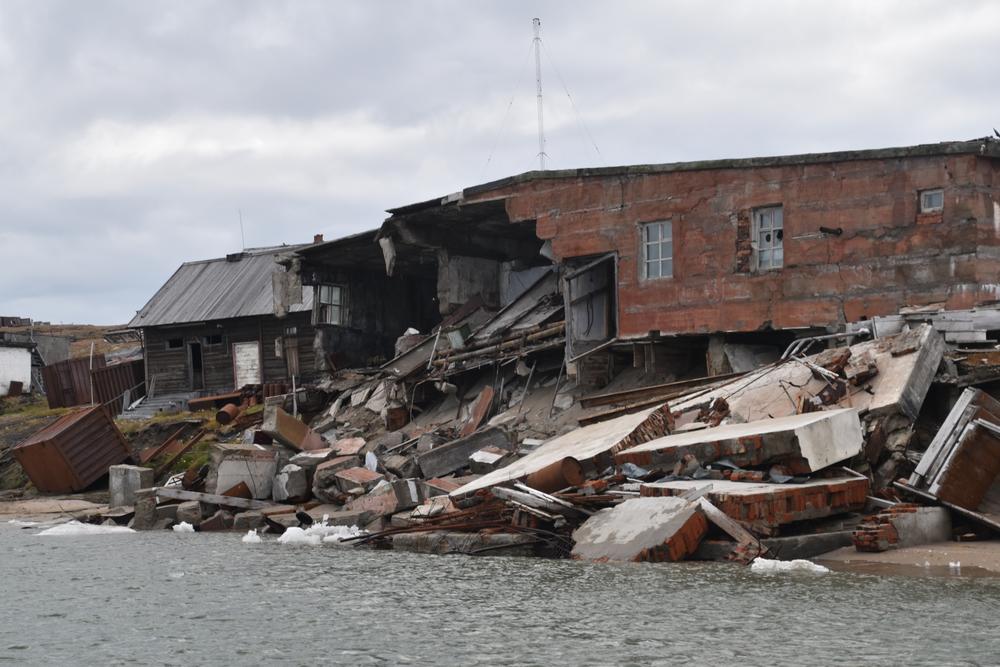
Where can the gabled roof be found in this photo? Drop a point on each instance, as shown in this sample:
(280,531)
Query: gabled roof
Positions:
(219,289)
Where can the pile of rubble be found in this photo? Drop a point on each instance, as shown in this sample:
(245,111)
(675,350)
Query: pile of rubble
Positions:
(789,460)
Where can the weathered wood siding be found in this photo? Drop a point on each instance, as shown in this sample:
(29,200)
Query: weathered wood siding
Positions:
(172,366)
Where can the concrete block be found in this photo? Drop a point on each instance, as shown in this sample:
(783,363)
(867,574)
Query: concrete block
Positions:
(341,517)
(248,521)
(402,466)
(124,481)
(145,509)
(310,460)
(234,463)
(489,459)
(166,512)
(353,479)
(221,520)
(291,484)
(641,529)
(189,512)
(349,446)
(290,431)
(454,455)
(324,484)
(396,496)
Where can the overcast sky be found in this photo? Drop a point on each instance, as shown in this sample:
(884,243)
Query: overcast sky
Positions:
(132,133)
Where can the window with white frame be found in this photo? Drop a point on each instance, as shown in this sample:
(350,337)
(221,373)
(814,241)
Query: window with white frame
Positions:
(658,249)
(932,201)
(332,305)
(768,235)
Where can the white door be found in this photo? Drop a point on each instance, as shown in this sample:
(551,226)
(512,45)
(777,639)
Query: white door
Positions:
(246,363)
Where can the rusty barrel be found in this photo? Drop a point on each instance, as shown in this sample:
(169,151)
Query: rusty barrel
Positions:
(227,413)
(556,476)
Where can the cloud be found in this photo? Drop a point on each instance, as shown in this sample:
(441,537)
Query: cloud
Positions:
(134,133)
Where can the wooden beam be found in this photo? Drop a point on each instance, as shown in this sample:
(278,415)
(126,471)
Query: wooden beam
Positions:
(176,493)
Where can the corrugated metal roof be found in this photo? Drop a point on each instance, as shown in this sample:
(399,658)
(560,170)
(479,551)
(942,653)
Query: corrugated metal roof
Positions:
(219,289)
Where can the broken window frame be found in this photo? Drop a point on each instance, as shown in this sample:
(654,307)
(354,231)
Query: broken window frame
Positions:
(213,340)
(926,197)
(173,344)
(290,350)
(331,304)
(662,246)
(767,238)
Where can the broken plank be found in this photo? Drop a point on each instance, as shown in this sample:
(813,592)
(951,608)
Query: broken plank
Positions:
(174,493)
(731,527)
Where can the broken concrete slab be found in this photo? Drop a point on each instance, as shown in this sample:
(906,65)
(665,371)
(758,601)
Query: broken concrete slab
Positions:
(904,376)
(402,466)
(819,439)
(593,446)
(641,529)
(311,459)
(903,525)
(235,463)
(388,499)
(349,446)
(124,481)
(763,507)
(292,484)
(454,455)
(290,431)
(351,480)
(489,459)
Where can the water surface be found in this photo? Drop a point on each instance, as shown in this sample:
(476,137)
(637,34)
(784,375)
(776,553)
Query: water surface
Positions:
(199,599)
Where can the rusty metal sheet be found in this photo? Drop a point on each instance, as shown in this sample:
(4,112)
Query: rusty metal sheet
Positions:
(73,452)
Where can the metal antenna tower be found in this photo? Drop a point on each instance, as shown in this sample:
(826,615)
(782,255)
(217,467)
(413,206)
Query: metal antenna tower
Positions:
(537,23)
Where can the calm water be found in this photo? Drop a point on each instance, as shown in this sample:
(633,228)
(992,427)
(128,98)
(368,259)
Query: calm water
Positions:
(170,599)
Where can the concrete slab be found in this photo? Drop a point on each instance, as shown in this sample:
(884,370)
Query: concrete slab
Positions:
(454,455)
(763,507)
(352,479)
(124,481)
(641,529)
(290,431)
(820,438)
(235,463)
(591,445)
(388,499)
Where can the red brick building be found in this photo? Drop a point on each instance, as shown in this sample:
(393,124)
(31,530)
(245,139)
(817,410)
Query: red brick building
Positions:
(749,245)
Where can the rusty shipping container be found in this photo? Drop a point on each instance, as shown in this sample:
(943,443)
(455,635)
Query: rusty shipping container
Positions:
(73,452)
(67,383)
(111,382)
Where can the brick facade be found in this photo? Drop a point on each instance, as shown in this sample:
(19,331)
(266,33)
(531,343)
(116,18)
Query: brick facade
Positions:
(887,254)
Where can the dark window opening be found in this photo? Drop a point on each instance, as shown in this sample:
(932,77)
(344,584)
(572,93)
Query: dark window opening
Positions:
(175,343)
(213,340)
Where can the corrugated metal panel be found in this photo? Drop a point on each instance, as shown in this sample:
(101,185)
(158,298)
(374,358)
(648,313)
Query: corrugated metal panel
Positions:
(67,383)
(73,452)
(218,289)
(112,381)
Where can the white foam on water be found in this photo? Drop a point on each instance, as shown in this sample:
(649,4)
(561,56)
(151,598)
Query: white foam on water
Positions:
(339,533)
(183,527)
(251,538)
(75,528)
(295,535)
(766,565)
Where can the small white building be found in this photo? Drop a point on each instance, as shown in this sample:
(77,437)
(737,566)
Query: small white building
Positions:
(15,366)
